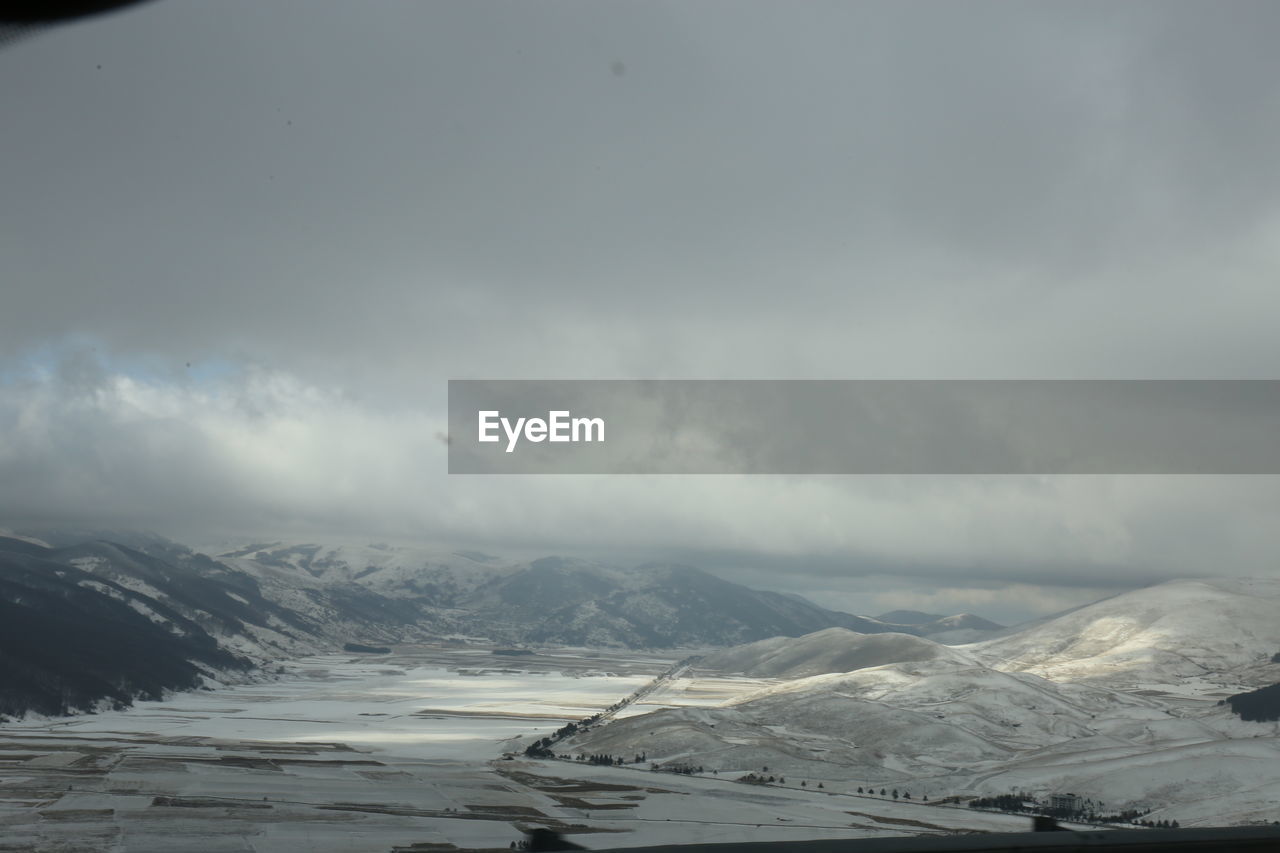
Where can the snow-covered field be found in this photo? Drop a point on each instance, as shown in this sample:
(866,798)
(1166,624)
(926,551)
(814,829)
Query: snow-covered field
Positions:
(1116,702)
(342,752)
(349,752)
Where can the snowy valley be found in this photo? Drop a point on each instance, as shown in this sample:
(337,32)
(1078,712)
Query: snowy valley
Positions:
(259,733)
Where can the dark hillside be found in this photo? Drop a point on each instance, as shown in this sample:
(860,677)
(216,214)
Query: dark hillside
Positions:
(1257,706)
(69,641)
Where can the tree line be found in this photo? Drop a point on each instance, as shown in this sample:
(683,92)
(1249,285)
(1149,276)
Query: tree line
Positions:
(1087,813)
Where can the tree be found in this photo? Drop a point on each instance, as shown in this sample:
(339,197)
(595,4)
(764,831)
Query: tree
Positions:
(859,789)
(882,792)
(538,749)
(895,793)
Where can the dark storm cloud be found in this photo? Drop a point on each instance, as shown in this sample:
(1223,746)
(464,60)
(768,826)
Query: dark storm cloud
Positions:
(294,178)
(363,200)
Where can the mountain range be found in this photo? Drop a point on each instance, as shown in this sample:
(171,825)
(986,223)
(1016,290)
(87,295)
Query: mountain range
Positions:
(141,596)
(1130,699)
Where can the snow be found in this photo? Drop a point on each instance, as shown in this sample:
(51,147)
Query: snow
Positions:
(392,570)
(349,752)
(1118,699)
(1161,634)
(829,651)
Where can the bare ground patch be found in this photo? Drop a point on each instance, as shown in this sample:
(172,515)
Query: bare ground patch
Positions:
(558,785)
(902,821)
(576,803)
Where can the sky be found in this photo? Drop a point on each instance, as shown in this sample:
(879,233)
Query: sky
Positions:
(244,245)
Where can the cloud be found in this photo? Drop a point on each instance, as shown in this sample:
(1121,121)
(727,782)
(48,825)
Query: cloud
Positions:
(1007,603)
(266,453)
(345,205)
(82,442)
(372,195)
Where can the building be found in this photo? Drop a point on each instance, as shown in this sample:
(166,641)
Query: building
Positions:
(1068,803)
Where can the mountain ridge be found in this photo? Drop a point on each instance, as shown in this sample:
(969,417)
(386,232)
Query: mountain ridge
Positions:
(271,599)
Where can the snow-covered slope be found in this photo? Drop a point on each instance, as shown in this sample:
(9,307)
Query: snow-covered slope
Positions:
(928,624)
(555,600)
(1213,782)
(101,625)
(960,622)
(339,591)
(160,615)
(575,602)
(438,578)
(1159,634)
(551,600)
(833,650)
(936,718)
(227,605)
(1115,701)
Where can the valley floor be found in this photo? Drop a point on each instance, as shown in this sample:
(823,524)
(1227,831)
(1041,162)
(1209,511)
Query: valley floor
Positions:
(372,753)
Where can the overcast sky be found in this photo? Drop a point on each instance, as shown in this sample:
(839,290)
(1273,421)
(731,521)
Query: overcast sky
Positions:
(243,245)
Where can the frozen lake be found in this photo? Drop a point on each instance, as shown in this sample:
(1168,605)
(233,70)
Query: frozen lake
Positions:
(379,752)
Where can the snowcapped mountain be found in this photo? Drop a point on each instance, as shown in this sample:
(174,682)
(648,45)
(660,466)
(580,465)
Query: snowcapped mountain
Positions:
(833,650)
(960,622)
(319,611)
(434,577)
(223,604)
(265,600)
(1215,628)
(93,621)
(952,630)
(77,630)
(939,719)
(326,591)
(908,617)
(1117,701)
(573,602)
(552,600)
